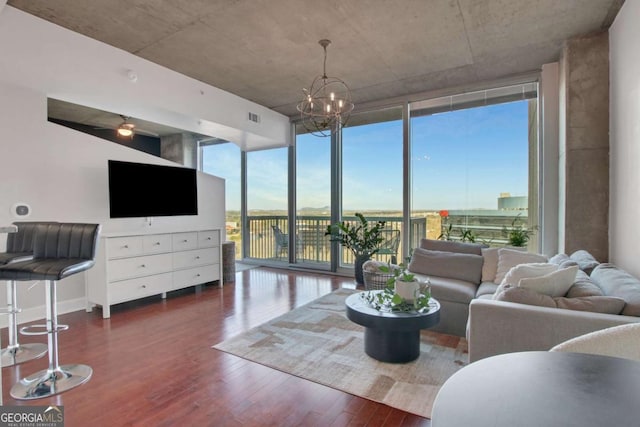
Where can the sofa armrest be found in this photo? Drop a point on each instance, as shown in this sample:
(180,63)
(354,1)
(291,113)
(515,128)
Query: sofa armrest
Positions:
(497,327)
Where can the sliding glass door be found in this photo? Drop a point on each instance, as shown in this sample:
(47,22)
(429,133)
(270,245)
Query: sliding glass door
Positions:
(313,200)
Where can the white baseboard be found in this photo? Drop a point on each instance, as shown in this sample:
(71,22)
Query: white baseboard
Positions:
(36,313)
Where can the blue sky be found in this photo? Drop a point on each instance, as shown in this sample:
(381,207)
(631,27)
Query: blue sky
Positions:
(460,160)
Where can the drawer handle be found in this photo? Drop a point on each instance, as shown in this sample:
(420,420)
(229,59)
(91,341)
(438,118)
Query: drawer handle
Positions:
(208,238)
(185,241)
(157,243)
(144,286)
(143,266)
(198,257)
(126,246)
(198,275)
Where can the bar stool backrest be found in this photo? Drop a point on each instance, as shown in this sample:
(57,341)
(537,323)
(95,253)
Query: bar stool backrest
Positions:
(66,241)
(22,240)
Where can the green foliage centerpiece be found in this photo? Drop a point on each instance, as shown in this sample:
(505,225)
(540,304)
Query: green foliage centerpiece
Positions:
(361,238)
(390,300)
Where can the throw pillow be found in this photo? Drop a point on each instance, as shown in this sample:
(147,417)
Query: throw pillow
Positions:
(558,258)
(521,271)
(596,304)
(524,296)
(450,246)
(509,258)
(555,284)
(585,260)
(583,286)
(490,264)
(467,267)
(616,282)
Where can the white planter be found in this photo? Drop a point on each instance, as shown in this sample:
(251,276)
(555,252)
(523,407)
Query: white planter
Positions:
(408,291)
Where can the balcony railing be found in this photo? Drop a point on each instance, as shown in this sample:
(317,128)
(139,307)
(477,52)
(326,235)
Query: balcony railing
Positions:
(312,246)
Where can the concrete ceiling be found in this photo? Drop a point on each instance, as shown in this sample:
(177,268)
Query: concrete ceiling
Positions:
(267,50)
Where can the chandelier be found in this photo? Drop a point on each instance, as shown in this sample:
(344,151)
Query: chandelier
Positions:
(326,103)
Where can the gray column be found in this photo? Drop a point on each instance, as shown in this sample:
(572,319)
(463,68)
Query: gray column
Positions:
(584,145)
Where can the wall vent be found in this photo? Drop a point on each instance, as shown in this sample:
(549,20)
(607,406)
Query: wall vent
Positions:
(253,117)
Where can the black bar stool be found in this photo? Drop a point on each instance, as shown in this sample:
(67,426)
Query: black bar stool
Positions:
(19,248)
(59,251)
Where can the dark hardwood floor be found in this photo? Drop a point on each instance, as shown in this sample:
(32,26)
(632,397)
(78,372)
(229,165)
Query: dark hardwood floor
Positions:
(153,364)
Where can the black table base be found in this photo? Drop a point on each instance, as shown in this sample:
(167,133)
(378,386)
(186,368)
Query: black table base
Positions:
(392,346)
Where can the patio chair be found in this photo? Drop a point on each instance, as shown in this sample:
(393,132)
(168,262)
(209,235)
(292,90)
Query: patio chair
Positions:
(282,241)
(390,244)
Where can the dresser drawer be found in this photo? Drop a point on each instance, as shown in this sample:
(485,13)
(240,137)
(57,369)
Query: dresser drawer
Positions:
(156,244)
(126,290)
(196,276)
(209,238)
(120,247)
(185,241)
(128,268)
(187,259)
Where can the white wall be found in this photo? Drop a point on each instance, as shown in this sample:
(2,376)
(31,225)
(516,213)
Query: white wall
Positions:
(624,213)
(61,173)
(66,65)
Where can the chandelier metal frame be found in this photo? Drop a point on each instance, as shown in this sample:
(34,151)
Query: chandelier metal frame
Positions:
(327,102)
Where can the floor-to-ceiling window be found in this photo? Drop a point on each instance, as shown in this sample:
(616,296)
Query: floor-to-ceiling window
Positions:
(473,175)
(267,205)
(313,198)
(372,176)
(222,158)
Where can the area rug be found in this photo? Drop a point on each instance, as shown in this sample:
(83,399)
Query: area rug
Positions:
(318,343)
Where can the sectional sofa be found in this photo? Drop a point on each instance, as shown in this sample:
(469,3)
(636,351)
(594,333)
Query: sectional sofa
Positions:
(506,300)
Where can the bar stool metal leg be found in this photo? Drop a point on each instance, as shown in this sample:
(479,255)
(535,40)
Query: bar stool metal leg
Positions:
(15,352)
(55,379)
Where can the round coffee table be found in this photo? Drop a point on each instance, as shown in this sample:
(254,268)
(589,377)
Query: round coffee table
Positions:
(389,336)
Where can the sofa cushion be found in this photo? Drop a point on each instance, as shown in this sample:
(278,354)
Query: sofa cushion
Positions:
(616,282)
(554,284)
(596,304)
(585,260)
(583,286)
(562,260)
(450,246)
(489,264)
(447,289)
(509,258)
(459,266)
(487,288)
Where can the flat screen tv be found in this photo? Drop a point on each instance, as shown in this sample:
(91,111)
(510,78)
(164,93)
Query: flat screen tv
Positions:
(146,190)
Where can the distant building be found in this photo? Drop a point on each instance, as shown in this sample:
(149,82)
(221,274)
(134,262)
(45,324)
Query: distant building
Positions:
(507,202)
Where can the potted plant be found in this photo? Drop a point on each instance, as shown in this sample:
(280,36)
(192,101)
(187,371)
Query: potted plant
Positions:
(404,292)
(404,283)
(361,238)
(518,235)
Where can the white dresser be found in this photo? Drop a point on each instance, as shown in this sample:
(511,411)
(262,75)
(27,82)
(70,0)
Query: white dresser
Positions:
(129,267)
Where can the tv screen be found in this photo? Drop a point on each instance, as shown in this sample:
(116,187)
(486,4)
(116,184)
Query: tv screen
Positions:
(145,190)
